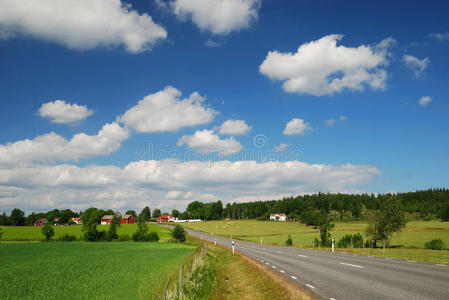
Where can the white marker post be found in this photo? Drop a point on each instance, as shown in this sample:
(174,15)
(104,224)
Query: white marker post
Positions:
(232,247)
(201,237)
(333,247)
(261,240)
(215,242)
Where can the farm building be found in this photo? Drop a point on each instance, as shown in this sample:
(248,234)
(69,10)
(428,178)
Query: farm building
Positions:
(278,217)
(165,219)
(76,220)
(126,219)
(40,222)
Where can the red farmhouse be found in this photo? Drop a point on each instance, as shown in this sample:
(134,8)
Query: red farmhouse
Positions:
(164,218)
(126,219)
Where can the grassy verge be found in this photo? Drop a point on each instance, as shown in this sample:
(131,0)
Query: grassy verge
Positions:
(88,270)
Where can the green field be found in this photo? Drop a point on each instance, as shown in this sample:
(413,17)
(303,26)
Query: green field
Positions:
(80,270)
(31,233)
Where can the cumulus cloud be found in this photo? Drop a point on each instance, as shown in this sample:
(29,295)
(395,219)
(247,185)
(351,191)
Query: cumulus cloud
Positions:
(154,183)
(61,112)
(415,64)
(322,68)
(440,36)
(166,111)
(217,16)
(82,24)
(52,147)
(205,141)
(424,101)
(211,44)
(234,127)
(297,126)
(281,148)
(332,121)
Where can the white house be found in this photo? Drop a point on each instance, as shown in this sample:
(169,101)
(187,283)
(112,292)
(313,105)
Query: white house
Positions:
(278,217)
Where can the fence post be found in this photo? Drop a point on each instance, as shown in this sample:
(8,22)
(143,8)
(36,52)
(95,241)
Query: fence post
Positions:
(333,247)
(180,282)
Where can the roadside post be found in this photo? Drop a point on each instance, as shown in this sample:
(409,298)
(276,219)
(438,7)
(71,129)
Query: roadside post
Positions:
(261,240)
(215,242)
(333,246)
(232,247)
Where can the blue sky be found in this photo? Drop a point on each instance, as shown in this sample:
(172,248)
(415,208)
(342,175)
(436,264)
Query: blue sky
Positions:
(365,132)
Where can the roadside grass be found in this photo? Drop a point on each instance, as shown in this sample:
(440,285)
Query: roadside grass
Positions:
(79,270)
(415,235)
(31,233)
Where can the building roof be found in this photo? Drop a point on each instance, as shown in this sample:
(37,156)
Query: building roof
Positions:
(271,215)
(107,217)
(127,216)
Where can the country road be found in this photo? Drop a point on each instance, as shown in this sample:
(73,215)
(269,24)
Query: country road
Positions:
(347,276)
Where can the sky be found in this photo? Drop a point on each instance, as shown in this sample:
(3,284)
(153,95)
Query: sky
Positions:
(122,104)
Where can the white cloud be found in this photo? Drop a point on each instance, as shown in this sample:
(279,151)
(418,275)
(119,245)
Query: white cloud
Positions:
(415,64)
(166,111)
(234,127)
(322,68)
(205,141)
(424,101)
(61,112)
(342,118)
(212,44)
(217,16)
(281,148)
(154,183)
(82,24)
(52,147)
(329,122)
(440,36)
(297,126)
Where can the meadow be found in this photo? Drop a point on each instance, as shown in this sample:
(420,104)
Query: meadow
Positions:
(415,235)
(80,270)
(31,233)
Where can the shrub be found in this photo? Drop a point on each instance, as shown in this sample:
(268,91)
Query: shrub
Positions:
(124,237)
(262,218)
(48,231)
(355,239)
(289,241)
(153,237)
(67,238)
(179,233)
(435,244)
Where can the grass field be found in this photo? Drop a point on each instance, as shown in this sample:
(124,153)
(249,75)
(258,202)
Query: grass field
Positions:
(80,270)
(415,235)
(31,233)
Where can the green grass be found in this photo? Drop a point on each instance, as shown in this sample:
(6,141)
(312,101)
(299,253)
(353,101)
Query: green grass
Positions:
(80,270)
(31,233)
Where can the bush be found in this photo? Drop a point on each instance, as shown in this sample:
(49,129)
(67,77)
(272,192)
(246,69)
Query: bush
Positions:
(289,241)
(48,231)
(153,237)
(67,238)
(262,218)
(435,244)
(355,239)
(179,233)
(124,237)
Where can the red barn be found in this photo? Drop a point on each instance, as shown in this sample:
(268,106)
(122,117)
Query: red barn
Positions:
(40,222)
(163,219)
(126,219)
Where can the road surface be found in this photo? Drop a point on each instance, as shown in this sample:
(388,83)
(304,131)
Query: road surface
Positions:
(347,276)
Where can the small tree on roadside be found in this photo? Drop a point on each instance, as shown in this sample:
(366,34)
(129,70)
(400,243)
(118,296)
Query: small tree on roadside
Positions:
(385,221)
(289,241)
(48,231)
(325,227)
(179,233)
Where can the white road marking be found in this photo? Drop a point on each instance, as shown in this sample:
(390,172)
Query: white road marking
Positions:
(274,267)
(440,265)
(267,263)
(411,261)
(351,265)
(282,271)
(310,286)
(300,255)
(293,277)
(388,258)
(261,260)
(332,299)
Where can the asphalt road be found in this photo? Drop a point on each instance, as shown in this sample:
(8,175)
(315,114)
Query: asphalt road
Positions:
(347,276)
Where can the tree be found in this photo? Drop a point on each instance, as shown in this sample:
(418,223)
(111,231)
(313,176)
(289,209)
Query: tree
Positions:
(90,221)
(145,214)
(325,227)
(17,217)
(115,224)
(48,231)
(1,233)
(66,215)
(131,212)
(156,213)
(445,213)
(52,215)
(179,233)
(4,220)
(385,221)
(175,213)
(141,234)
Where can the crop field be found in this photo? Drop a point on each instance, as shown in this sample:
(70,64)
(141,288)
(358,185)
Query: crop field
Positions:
(80,270)
(415,235)
(31,233)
